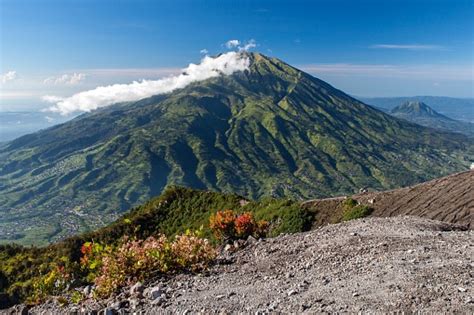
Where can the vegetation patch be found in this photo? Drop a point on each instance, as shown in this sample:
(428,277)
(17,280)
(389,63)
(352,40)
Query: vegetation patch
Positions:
(227,225)
(353,210)
(137,260)
(135,246)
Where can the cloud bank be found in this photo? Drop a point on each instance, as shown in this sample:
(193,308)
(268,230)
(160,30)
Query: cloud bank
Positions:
(66,79)
(101,96)
(8,76)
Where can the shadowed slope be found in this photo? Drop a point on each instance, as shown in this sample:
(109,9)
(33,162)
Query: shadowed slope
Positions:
(449,199)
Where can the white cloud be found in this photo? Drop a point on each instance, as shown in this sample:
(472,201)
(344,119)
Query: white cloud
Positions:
(240,46)
(232,43)
(249,45)
(407,47)
(52,98)
(8,76)
(101,96)
(66,79)
(49,119)
(204,51)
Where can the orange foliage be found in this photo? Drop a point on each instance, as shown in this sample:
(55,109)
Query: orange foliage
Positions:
(227,225)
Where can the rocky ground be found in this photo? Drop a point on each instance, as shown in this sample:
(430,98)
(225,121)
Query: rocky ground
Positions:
(369,265)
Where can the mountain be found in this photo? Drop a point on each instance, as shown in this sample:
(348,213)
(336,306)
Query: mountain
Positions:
(456,108)
(422,114)
(269,130)
(416,109)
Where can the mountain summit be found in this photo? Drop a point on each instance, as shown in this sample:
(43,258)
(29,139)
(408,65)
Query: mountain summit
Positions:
(422,114)
(268,130)
(416,109)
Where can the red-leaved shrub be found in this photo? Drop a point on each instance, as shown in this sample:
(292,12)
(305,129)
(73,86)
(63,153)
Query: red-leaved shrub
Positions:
(226,225)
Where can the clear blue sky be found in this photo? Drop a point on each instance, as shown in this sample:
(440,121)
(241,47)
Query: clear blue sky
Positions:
(367,48)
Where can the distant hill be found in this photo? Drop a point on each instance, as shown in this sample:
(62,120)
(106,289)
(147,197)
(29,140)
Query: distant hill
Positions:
(422,114)
(271,130)
(416,109)
(456,108)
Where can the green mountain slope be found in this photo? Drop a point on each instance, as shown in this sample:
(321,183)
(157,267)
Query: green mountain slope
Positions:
(270,130)
(422,114)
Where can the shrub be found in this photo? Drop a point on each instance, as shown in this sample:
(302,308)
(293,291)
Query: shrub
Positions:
(131,261)
(227,225)
(76,297)
(54,282)
(176,210)
(91,260)
(222,224)
(141,259)
(244,225)
(261,229)
(192,252)
(352,210)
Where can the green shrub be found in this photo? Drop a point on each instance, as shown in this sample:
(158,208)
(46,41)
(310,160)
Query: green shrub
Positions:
(76,297)
(352,210)
(136,260)
(53,283)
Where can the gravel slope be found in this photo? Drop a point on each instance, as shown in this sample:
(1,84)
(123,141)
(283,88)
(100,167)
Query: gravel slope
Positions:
(449,199)
(370,265)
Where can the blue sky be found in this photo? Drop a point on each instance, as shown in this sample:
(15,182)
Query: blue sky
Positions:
(367,48)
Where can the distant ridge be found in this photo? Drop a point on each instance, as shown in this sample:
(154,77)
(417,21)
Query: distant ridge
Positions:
(416,109)
(455,108)
(420,113)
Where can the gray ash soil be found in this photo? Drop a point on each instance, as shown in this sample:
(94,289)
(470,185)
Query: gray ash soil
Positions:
(402,263)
